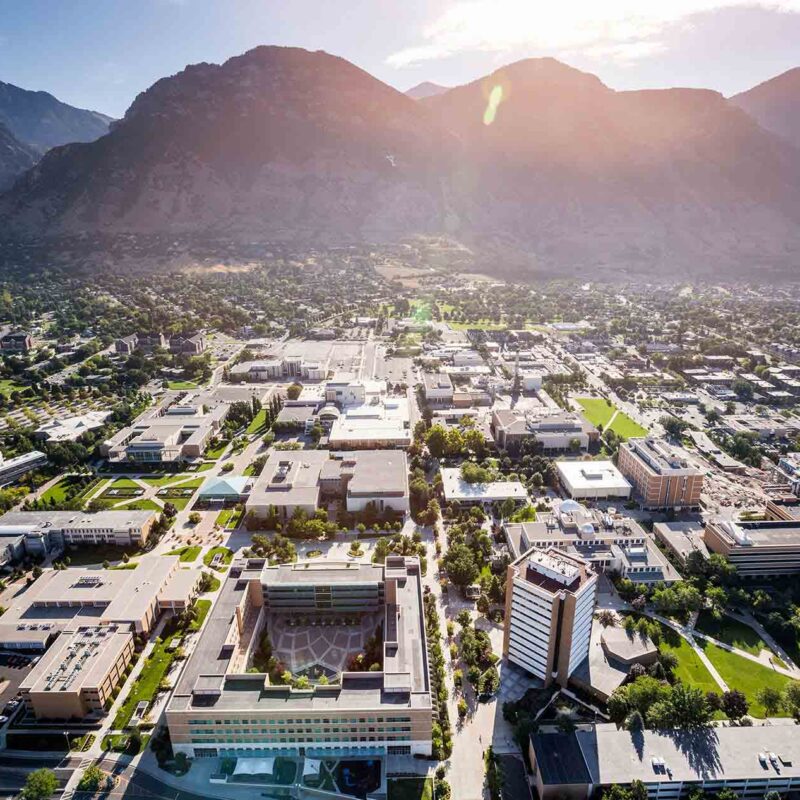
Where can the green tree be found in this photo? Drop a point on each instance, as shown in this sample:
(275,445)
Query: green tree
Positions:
(459,562)
(40,784)
(771,698)
(91,779)
(735,704)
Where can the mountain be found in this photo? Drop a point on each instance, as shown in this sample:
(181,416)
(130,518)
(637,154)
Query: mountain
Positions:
(536,167)
(425,89)
(278,143)
(775,104)
(42,121)
(15,157)
(581,175)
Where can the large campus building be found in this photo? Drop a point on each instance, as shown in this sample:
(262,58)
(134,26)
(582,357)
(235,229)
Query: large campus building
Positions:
(220,708)
(763,547)
(751,761)
(550,598)
(557,431)
(661,474)
(82,623)
(592,480)
(606,540)
(306,479)
(36,534)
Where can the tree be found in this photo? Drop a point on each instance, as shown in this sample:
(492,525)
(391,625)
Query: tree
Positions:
(791,698)
(606,618)
(91,779)
(771,698)
(436,440)
(460,565)
(634,721)
(195,517)
(673,425)
(293,392)
(735,704)
(40,784)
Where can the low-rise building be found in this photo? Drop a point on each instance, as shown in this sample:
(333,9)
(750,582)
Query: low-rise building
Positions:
(592,480)
(456,489)
(77,676)
(750,761)
(53,530)
(306,479)
(661,474)
(377,425)
(557,431)
(13,468)
(606,540)
(438,388)
(71,429)
(190,344)
(16,342)
(770,547)
(550,599)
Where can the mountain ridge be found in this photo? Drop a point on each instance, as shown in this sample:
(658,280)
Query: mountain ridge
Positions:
(553,169)
(775,104)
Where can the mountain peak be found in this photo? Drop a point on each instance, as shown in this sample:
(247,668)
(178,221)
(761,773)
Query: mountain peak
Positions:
(775,104)
(426,89)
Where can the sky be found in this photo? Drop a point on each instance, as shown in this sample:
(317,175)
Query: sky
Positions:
(100,54)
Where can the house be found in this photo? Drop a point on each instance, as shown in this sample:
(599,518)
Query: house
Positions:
(193,344)
(16,342)
(126,344)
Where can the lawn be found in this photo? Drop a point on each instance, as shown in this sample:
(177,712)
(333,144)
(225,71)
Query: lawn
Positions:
(146,685)
(124,483)
(58,491)
(410,789)
(259,421)
(7,386)
(745,675)
(186,554)
(731,632)
(164,480)
(690,670)
(203,607)
(597,410)
(480,325)
(626,428)
(139,505)
(227,556)
(229,517)
(179,385)
(129,565)
(216,452)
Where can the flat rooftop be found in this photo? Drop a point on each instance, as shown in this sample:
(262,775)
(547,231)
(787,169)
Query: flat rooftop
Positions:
(76,520)
(456,488)
(404,682)
(660,456)
(554,571)
(78,659)
(770,533)
(322,572)
(593,475)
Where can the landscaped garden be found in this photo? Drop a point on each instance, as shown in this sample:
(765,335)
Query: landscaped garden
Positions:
(186,554)
(745,675)
(690,668)
(226,556)
(410,789)
(732,632)
(600,412)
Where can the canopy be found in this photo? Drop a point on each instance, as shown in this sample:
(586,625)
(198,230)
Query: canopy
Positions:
(253,766)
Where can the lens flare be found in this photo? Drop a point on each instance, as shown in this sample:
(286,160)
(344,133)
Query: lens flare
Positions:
(495,98)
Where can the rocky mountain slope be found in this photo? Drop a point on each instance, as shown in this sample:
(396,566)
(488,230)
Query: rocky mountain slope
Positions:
(775,105)
(425,89)
(41,121)
(15,157)
(537,164)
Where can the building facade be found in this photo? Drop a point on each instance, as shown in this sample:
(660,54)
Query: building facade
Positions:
(661,474)
(550,599)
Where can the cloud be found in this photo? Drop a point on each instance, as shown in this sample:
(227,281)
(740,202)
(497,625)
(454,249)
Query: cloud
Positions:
(622,30)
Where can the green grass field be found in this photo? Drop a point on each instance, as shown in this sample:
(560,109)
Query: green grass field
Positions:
(259,421)
(410,789)
(216,452)
(229,517)
(186,554)
(58,491)
(146,685)
(180,385)
(164,480)
(745,675)
(81,555)
(731,632)
(203,607)
(124,483)
(599,412)
(139,505)
(690,670)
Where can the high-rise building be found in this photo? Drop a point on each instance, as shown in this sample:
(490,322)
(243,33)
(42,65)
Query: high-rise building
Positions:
(661,474)
(550,598)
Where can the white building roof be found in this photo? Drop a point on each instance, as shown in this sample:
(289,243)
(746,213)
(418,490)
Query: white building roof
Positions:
(594,475)
(456,488)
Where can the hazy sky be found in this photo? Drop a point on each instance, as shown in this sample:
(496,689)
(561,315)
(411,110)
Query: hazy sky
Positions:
(100,53)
